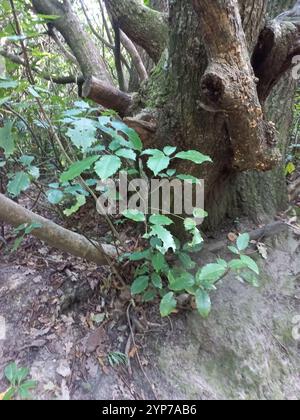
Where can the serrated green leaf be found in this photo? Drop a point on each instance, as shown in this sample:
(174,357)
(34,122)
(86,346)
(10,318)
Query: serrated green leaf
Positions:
(34,171)
(210,274)
(131,134)
(200,213)
(237,265)
(19,183)
(180,280)
(26,160)
(83,133)
(203,303)
(190,224)
(139,285)
(169,150)
(139,256)
(171,172)
(135,215)
(193,156)
(10,373)
(168,304)
(243,241)
(156,281)
(149,296)
(77,168)
(159,219)
(151,152)
(158,163)
(197,238)
(250,263)
(54,196)
(251,279)
(9,394)
(158,262)
(81,200)
(22,374)
(107,166)
(126,153)
(166,237)
(186,261)
(234,250)
(7,142)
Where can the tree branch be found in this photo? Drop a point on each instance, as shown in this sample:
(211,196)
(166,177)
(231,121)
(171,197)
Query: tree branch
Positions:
(135,56)
(60,80)
(53,234)
(106,95)
(144,26)
(273,56)
(229,85)
(85,51)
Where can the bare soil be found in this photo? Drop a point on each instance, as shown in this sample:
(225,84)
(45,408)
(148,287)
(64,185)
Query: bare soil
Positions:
(64,318)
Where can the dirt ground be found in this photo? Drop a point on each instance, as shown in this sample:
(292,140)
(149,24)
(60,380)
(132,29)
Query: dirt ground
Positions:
(64,320)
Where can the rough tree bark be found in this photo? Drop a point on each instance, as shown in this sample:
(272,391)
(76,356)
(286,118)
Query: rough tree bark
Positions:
(176,90)
(221,85)
(147,27)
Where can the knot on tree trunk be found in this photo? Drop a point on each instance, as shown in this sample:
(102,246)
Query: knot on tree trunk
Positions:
(229,85)
(234,92)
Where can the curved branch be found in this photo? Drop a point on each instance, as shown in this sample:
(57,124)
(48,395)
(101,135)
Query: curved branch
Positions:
(144,26)
(85,51)
(135,56)
(273,56)
(53,234)
(60,80)
(104,94)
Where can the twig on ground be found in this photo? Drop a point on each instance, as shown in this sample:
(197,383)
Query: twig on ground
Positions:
(137,352)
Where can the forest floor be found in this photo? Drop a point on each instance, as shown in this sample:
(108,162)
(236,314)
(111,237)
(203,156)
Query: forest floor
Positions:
(67,320)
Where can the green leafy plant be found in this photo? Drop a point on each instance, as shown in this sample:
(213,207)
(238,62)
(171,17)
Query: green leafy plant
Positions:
(117,358)
(119,148)
(103,147)
(19,384)
(22,231)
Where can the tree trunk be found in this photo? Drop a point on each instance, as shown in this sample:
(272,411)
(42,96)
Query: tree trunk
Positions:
(220,83)
(183,120)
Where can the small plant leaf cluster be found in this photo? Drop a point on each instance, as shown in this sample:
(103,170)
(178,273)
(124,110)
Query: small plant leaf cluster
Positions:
(103,146)
(19,384)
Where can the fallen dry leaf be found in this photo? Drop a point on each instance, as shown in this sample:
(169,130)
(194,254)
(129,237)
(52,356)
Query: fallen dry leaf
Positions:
(96,339)
(262,249)
(232,237)
(132,352)
(64,369)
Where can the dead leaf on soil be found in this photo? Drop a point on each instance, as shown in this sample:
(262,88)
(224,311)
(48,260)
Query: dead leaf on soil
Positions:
(95,340)
(262,249)
(132,352)
(64,369)
(232,237)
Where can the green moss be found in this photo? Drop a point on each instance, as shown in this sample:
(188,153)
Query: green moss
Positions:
(156,92)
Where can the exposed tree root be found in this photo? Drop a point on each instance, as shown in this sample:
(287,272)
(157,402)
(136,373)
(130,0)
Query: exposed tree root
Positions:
(265,232)
(53,234)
